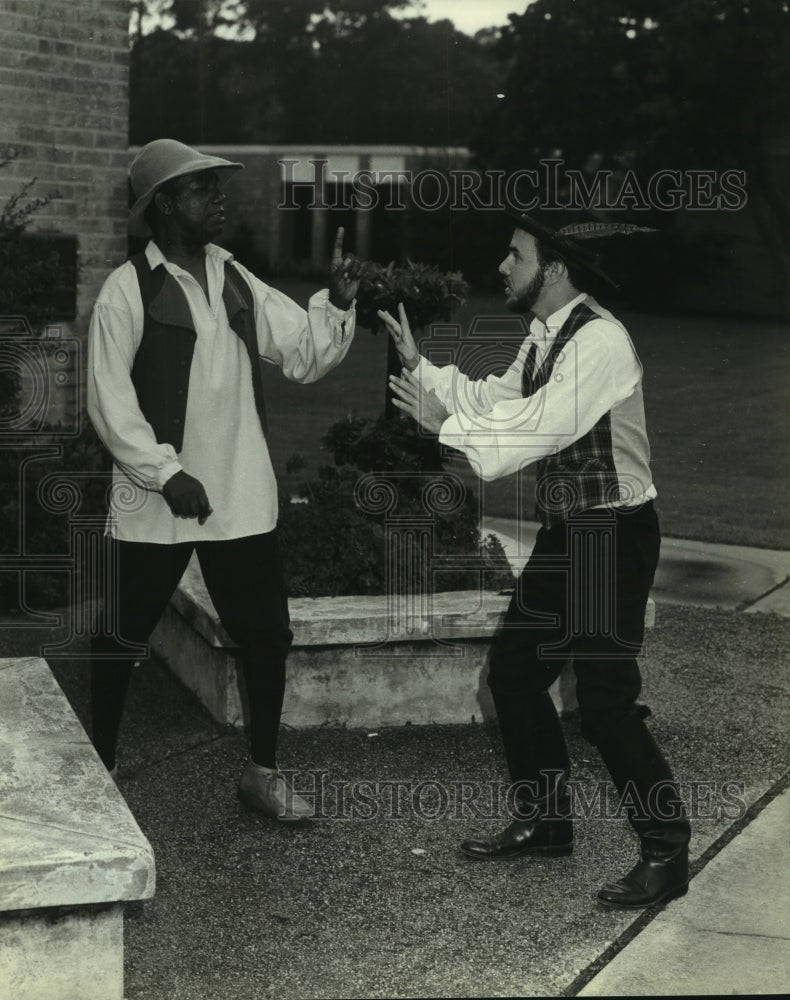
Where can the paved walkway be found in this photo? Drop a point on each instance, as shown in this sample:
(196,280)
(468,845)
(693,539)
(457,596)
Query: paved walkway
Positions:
(731,933)
(381,905)
(700,574)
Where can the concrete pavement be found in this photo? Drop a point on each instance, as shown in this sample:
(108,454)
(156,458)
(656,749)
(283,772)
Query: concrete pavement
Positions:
(699,574)
(731,933)
(375,901)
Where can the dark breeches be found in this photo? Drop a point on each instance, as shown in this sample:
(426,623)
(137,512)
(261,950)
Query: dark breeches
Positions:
(244,578)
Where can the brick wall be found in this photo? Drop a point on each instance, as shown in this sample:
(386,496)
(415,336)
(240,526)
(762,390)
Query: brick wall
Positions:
(64,96)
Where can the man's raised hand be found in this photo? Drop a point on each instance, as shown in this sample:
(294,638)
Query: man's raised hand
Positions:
(401,335)
(344,275)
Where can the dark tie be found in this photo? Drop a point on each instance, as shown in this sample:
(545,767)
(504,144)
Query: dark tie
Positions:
(528,375)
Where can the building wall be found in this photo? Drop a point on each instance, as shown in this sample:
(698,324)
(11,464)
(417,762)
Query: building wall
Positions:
(65,106)
(272,238)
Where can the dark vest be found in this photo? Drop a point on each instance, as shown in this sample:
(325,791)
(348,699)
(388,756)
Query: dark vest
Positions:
(583,474)
(160,373)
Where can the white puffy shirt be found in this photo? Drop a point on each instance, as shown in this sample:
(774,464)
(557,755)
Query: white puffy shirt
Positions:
(500,432)
(224,446)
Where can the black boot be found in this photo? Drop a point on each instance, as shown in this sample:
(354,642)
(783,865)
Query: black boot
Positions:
(537,836)
(543,824)
(533,739)
(653,880)
(656,813)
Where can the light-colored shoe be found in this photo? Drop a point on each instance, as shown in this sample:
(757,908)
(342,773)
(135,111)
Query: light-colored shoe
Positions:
(269,791)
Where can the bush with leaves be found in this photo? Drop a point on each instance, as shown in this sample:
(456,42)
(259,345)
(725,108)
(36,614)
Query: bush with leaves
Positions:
(427,293)
(332,547)
(27,267)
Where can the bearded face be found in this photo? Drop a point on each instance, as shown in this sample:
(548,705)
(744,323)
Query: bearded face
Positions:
(523,274)
(522,300)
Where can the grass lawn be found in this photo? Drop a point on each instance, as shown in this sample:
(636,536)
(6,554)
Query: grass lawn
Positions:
(716,395)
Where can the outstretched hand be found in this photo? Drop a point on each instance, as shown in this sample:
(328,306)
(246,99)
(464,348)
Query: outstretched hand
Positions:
(402,337)
(344,274)
(420,403)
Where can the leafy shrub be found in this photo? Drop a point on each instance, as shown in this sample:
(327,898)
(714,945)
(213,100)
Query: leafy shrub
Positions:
(332,547)
(329,547)
(33,273)
(427,293)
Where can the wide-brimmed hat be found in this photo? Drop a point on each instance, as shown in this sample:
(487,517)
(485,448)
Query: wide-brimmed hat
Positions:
(570,239)
(162,160)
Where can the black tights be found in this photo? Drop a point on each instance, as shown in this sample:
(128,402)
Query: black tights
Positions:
(245,581)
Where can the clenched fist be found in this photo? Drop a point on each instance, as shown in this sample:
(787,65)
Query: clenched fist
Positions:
(186,497)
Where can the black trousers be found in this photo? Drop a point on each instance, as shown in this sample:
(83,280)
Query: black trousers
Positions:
(244,577)
(582,596)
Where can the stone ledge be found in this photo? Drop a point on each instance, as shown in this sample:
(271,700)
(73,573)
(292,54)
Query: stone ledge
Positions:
(67,837)
(325,621)
(72,853)
(356,661)
(360,620)
(55,955)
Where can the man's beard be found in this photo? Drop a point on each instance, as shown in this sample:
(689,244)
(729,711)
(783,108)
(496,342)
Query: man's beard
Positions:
(524,302)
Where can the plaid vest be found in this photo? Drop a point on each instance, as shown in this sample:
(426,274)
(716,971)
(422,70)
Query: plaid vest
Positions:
(160,372)
(583,474)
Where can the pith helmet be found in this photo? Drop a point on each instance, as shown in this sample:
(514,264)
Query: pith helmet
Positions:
(164,159)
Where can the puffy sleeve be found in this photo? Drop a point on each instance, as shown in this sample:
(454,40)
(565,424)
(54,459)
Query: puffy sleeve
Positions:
(599,370)
(305,344)
(113,338)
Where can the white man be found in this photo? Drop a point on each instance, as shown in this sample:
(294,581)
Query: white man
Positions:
(571,402)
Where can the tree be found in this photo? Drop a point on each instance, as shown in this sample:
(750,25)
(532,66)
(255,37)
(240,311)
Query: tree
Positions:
(647,85)
(211,90)
(300,72)
(394,80)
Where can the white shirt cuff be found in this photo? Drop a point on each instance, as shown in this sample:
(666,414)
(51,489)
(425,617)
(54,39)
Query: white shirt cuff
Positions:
(165,472)
(336,312)
(451,433)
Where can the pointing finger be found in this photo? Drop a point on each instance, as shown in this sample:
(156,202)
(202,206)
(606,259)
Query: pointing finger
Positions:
(390,321)
(337,249)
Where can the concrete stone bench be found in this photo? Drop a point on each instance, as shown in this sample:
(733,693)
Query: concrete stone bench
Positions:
(356,661)
(71,853)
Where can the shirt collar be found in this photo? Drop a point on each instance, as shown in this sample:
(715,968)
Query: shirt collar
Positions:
(555,321)
(155,257)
